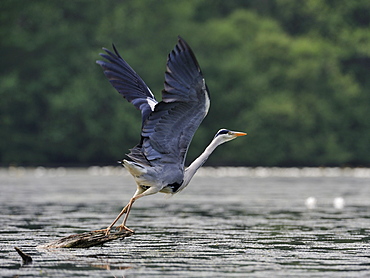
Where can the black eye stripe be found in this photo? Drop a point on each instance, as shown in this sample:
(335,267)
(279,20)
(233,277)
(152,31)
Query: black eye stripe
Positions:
(224,131)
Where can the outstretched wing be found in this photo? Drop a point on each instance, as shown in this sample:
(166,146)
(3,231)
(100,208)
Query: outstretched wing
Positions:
(169,129)
(127,82)
(168,126)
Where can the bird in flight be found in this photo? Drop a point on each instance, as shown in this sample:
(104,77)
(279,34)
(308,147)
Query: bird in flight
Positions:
(157,162)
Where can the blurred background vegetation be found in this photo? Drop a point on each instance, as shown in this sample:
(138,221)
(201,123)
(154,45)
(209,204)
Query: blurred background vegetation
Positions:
(293,74)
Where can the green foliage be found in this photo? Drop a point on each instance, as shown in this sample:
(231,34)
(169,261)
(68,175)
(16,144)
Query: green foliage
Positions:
(293,74)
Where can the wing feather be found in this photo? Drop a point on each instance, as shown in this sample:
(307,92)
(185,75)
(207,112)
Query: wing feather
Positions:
(168,126)
(127,82)
(169,129)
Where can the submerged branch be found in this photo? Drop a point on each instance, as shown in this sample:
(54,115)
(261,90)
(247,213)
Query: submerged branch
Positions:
(26,259)
(86,240)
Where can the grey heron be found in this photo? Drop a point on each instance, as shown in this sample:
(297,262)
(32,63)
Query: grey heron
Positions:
(157,162)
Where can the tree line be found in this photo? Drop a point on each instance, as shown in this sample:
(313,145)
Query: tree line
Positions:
(292,74)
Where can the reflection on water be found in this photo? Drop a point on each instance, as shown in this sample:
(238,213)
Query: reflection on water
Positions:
(225,224)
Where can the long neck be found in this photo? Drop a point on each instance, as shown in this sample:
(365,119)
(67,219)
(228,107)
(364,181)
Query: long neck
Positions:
(197,163)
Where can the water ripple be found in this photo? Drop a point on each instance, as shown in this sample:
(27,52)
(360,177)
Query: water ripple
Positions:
(218,227)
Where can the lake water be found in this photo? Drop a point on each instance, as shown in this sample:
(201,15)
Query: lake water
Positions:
(227,223)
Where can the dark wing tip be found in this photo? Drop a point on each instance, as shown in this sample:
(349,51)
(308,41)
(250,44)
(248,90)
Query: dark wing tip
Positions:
(116,51)
(179,38)
(110,53)
(185,47)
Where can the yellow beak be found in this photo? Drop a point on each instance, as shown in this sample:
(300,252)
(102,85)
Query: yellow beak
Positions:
(240,133)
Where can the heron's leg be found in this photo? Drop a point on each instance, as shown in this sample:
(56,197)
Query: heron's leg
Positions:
(149,191)
(129,205)
(124,210)
(117,218)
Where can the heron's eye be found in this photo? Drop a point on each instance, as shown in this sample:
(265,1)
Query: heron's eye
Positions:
(230,133)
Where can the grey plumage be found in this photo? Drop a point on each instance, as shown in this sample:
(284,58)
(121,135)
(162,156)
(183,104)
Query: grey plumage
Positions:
(168,129)
(157,163)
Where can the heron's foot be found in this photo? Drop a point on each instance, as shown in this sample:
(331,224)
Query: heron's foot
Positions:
(123,227)
(106,231)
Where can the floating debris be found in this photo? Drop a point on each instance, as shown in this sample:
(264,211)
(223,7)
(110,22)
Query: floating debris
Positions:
(311,202)
(86,240)
(338,203)
(26,259)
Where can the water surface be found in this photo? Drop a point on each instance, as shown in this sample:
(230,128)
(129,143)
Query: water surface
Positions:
(225,224)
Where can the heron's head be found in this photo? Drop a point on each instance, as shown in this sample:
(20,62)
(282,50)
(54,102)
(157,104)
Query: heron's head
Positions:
(224,135)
